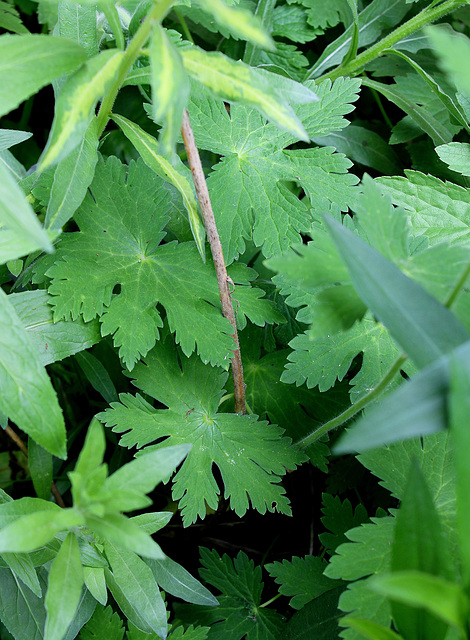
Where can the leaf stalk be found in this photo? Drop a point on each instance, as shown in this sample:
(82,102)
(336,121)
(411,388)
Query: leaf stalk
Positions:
(217,256)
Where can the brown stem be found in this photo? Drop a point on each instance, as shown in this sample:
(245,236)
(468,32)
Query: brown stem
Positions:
(217,255)
(22,447)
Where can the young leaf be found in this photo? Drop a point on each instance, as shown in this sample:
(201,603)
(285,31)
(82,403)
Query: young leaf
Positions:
(177,174)
(52,341)
(237,444)
(29,62)
(236,81)
(103,624)
(72,178)
(301,578)
(137,586)
(174,579)
(27,397)
(64,589)
(37,529)
(170,87)
(239,611)
(423,328)
(95,583)
(418,545)
(440,597)
(122,532)
(456,155)
(75,104)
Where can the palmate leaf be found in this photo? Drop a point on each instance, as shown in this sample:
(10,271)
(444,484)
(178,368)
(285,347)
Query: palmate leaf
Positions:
(239,614)
(121,222)
(251,455)
(248,193)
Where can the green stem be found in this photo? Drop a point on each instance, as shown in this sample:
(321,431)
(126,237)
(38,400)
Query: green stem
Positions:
(355,408)
(184,26)
(268,602)
(425,17)
(378,100)
(154,16)
(458,287)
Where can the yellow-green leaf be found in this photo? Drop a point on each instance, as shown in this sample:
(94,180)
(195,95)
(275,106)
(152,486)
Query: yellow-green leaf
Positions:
(237,82)
(241,23)
(76,102)
(170,87)
(179,175)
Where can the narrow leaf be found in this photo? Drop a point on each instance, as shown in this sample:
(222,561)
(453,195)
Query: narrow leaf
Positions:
(444,599)
(97,375)
(369,629)
(179,175)
(37,529)
(29,62)
(123,533)
(27,397)
(453,50)
(64,589)
(40,467)
(423,328)
(21,611)
(23,567)
(72,178)
(174,579)
(91,455)
(10,137)
(77,21)
(75,104)
(95,583)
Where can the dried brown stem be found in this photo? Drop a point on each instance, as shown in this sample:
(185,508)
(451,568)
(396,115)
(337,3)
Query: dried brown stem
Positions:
(217,255)
(22,447)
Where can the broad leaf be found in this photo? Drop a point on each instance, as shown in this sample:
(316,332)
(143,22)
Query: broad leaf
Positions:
(27,397)
(248,184)
(29,62)
(239,613)
(456,155)
(114,246)
(453,50)
(78,22)
(317,619)
(103,624)
(339,518)
(64,589)
(301,578)
(237,444)
(75,104)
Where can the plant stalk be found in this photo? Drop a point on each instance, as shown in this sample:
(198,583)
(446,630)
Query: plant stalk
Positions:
(223,279)
(154,16)
(425,17)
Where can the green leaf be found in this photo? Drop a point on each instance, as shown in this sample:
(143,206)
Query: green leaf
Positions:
(64,589)
(29,62)
(40,467)
(51,340)
(103,624)
(174,579)
(439,210)
(137,590)
(459,411)
(415,588)
(28,397)
(369,629)
(122,532)
(10,137)
(20,223)
(21,611)
(23,568)
(235,81)
(301,578)
(75,105)
(72,178)
(418,545)
(317,619)
(10,19)
(152,522)
(456,155)
(177,174)
(453,50)
(78,22)
(364,147)
(248,184)
(425,120)
(239,22)
(240,446)
(34,530)
(97,375)
(170,87)
(92,453)
(423,328)
(338,518)
(239,614)
(95,583)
